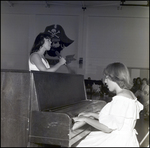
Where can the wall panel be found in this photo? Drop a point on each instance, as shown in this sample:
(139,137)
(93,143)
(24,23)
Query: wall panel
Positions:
(116,39)
(14,39)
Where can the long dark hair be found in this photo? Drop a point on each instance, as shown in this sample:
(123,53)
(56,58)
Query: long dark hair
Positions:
(39,41)
(118,73)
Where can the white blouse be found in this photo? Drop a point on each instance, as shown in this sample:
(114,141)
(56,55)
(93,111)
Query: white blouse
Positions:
(33,66)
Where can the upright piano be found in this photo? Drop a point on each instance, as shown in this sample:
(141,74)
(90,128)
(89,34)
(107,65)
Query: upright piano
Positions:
(51,100)
(56,99)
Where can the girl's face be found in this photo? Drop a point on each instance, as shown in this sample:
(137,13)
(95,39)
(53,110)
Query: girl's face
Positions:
(110,84)
(47,44)
(138,81)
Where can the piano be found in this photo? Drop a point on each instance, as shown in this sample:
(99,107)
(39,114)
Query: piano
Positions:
(49,103)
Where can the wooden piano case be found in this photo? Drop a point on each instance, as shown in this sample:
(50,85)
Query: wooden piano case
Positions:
(37,108)
(15,104)
(55,99)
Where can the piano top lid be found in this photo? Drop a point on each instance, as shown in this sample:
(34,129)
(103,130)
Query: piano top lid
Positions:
(58,89)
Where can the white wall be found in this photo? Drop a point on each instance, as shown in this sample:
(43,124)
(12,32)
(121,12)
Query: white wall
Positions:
(101,35)
(117,35)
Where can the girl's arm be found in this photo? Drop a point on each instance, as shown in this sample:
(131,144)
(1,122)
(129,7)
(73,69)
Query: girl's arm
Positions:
(36,59)
(89,114)
(95,123)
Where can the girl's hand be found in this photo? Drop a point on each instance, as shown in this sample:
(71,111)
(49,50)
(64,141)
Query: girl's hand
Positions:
(81,118)
(62,61)
(86,114)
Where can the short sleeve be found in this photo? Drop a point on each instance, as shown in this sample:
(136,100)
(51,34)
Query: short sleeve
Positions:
(125,107)
(106,118)
(119,109)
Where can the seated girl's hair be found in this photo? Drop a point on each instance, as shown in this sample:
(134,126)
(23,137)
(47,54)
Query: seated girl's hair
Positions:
(118,73)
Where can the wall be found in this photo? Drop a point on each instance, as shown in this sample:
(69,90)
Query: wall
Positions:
(117,35)
(101,35)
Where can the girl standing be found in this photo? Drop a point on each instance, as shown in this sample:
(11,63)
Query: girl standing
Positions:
(37,60)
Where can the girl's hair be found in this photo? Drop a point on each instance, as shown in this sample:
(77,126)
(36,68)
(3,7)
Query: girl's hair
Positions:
(138,79)
(118,73)
(39,41)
